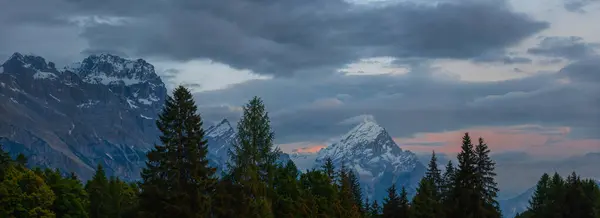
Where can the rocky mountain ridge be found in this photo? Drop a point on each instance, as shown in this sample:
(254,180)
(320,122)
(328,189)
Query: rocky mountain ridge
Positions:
(75,118)
(102,110)
(378,161)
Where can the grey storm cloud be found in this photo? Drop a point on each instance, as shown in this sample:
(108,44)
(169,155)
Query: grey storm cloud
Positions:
(578,5)
(284,37)
(408,104)
(572,47)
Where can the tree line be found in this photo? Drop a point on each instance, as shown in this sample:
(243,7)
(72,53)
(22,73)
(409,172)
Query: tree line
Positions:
(178,181)
(555,197)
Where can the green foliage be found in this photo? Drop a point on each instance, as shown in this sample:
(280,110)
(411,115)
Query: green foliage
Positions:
(177,180)
(287,190)
(558,198)
(424,203)
(391,204)
(71,198)
(97,189)
(252,165)
(24,194)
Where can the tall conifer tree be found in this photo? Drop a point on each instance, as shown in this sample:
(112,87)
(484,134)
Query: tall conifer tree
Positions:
(486,186)
(434,175)
(253,160)
(177,180)
(97,189)
(464,195)
(391,203)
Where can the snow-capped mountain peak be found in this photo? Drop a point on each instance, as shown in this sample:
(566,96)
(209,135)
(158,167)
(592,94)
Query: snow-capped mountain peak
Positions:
(110,69)
(222,129)
(366,139)
(371,152)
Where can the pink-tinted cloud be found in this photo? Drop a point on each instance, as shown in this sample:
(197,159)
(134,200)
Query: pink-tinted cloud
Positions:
(310,149)
(302,147)
(534,139)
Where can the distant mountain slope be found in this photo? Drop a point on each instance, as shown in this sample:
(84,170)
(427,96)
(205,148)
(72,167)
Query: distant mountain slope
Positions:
(101,110)
(370,151)
(220,139)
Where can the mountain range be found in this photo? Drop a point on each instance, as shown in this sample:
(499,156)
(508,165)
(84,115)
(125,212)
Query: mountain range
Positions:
(102,110)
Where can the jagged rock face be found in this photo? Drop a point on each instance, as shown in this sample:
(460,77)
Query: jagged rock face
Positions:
(370,152)
(220,138)
(100,111)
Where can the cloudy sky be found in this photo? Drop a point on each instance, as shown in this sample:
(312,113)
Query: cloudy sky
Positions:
(525,75)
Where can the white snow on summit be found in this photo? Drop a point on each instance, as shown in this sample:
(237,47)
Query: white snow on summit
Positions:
(44,75)
(220,129)
(371,152)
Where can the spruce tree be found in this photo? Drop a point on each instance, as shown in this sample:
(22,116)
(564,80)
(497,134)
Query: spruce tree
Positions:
(447,188)
(539,202)
(97,189)
(557,192)
(252,160)
(346,202)
(486,186)
(391,203)
(424,203)
(404,210)
(356,190)
(375,210)
(177,180)
(464,194)
(287,190)
(320,196)
(329,168)
(434,175)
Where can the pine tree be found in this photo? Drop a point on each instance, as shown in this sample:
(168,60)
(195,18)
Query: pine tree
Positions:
(122,198)
(329,168)
(287,190)
(319,195)
(356,190)
(404,209)
(464,195)
(434,175)
(21,160)
(367,208)
(391,203)
(557,192)
(424,203)
(252,160)
(346,203)
(448,180)
(486,186)
(177,180)
(97,189)
(375,210)
(539,202)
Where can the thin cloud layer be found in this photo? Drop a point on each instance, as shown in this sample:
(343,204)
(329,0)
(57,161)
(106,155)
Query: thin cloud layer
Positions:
(407,104)
(571,48)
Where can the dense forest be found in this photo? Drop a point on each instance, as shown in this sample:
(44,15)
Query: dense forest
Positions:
(178,181)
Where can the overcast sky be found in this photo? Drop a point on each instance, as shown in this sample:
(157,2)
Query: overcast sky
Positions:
(525,75)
